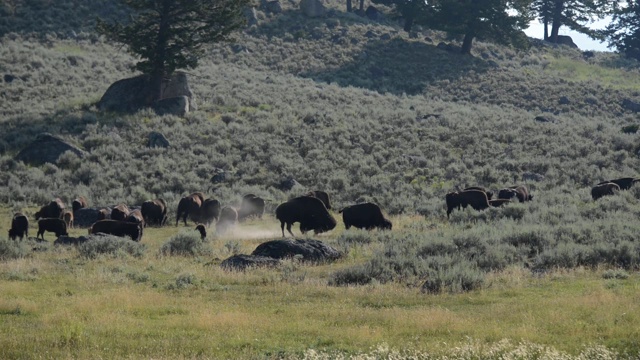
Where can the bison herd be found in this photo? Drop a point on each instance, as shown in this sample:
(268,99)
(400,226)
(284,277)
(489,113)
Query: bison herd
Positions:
(311,211)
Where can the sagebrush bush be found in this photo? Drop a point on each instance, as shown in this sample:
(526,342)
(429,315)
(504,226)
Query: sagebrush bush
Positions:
(10,249)
(110,246)
(186,243)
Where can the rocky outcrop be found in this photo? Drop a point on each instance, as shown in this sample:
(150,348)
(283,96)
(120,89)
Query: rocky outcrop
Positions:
(308,249)
(178,106)
(47,148)
(242,262)
(312,8)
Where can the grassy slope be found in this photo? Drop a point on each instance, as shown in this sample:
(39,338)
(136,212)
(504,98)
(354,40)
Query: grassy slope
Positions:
(319,100)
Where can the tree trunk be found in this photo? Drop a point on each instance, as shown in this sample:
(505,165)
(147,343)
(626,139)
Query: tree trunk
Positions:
(557,20)
(361,5)
(158,70)
(466,43)
(546,28)
(349,6)
(408,22)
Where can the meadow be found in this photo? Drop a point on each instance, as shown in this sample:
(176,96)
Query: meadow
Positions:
(365,112)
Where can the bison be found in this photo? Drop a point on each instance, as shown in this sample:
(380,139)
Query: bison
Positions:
(119,212)
(19,226)
(624,183)
(54,225)
(104,213)
(154,212)
(322,195)
(310,212)
(251,206)
(499,202)
(364,216)
(189,205)
(79,203)
(480,188)
(203,231)
(228,218)
(117,228)
(518,191)
(52,210)
(604,189)
(67,216)
(135,216)
(210,211)
(475,198)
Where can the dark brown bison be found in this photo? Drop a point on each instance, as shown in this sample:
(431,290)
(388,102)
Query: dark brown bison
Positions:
(309,211)
(103,214)
(475,198)
(67,216)
(54,225)
(520,192)
(251,206)
(624,183)
(119,212)
(322,195)
(604,189)
(135,216)
(202,230)
(228,218)
(79,203)
(52,210)
(499,202)
(210,211)
(154,212)
(480,188)
(189,206)
(364,216)
(117,228)
(19,226)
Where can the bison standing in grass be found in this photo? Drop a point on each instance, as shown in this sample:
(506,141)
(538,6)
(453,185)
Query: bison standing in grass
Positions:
(475,198)
(135,216)
(520,192)
(19,226)
(52,210)
(119,212)
(310,212)
(79,203)
(604,189)
(251,206)
(624,183)
(154,212)
(67,216)
(210,211)
(228,218)
(54,225)
(189,206)
(364,216)
(480,188)
(117,228)
(322,195)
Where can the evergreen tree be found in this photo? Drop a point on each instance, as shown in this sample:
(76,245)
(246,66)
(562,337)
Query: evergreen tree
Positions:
(574,14)
(623,32)
(171,34)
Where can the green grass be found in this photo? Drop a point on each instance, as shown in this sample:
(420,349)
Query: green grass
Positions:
(573,70)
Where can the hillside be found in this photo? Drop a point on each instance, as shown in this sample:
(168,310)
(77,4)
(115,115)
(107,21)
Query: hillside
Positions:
(361,110)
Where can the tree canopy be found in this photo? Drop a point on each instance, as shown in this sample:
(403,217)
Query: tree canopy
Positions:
(623,32)
(171,34)
(574,14)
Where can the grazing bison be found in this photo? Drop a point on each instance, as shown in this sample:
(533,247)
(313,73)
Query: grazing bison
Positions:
(480,188)
(519,192)
(310,212)
(135,216)
(604,189)
(154,212)
(19,226)
(499,202)
(67,216)
(210,211)
(228,218)
(624,183)
(119,212)
(189,205)
(475,198)
(79,203)
(117,228)
(103,214)
(251,206)
(322,195)
(365,216)
(203,231)
(54,225)
(52,210)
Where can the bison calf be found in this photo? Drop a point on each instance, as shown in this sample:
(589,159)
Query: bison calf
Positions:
(364,216)
(54,225)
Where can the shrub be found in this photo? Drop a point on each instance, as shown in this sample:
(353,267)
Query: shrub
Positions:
(112,246)
(10,249)
(460,277)
(186,243)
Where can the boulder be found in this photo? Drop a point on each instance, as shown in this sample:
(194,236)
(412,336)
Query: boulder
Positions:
(178,106)
(251,15)
(566,40)
(46,148)
(242,262)
(85,217)
(564,100)
(8,78)
(372,13)
(157,139)
(308,249)
(541,118)
(130,95)
(312,8)
(631,105)
(287,184)
(68,240)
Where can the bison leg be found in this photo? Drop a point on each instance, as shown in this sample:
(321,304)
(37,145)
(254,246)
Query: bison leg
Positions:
(289,229)
(282,227)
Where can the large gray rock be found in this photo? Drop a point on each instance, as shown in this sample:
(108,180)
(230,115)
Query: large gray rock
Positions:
(85,217)
(46,148)
(312,8)
(566,40)
(178,106)
(308,249)
(242,262)
(273,7)
(251,15)
(131,94)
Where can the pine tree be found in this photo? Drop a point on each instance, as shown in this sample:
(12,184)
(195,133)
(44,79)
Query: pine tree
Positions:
(623,32)
(574,14)
(171,34)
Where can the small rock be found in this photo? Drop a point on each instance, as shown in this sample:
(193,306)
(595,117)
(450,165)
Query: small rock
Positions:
(308,249)
(242,262)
